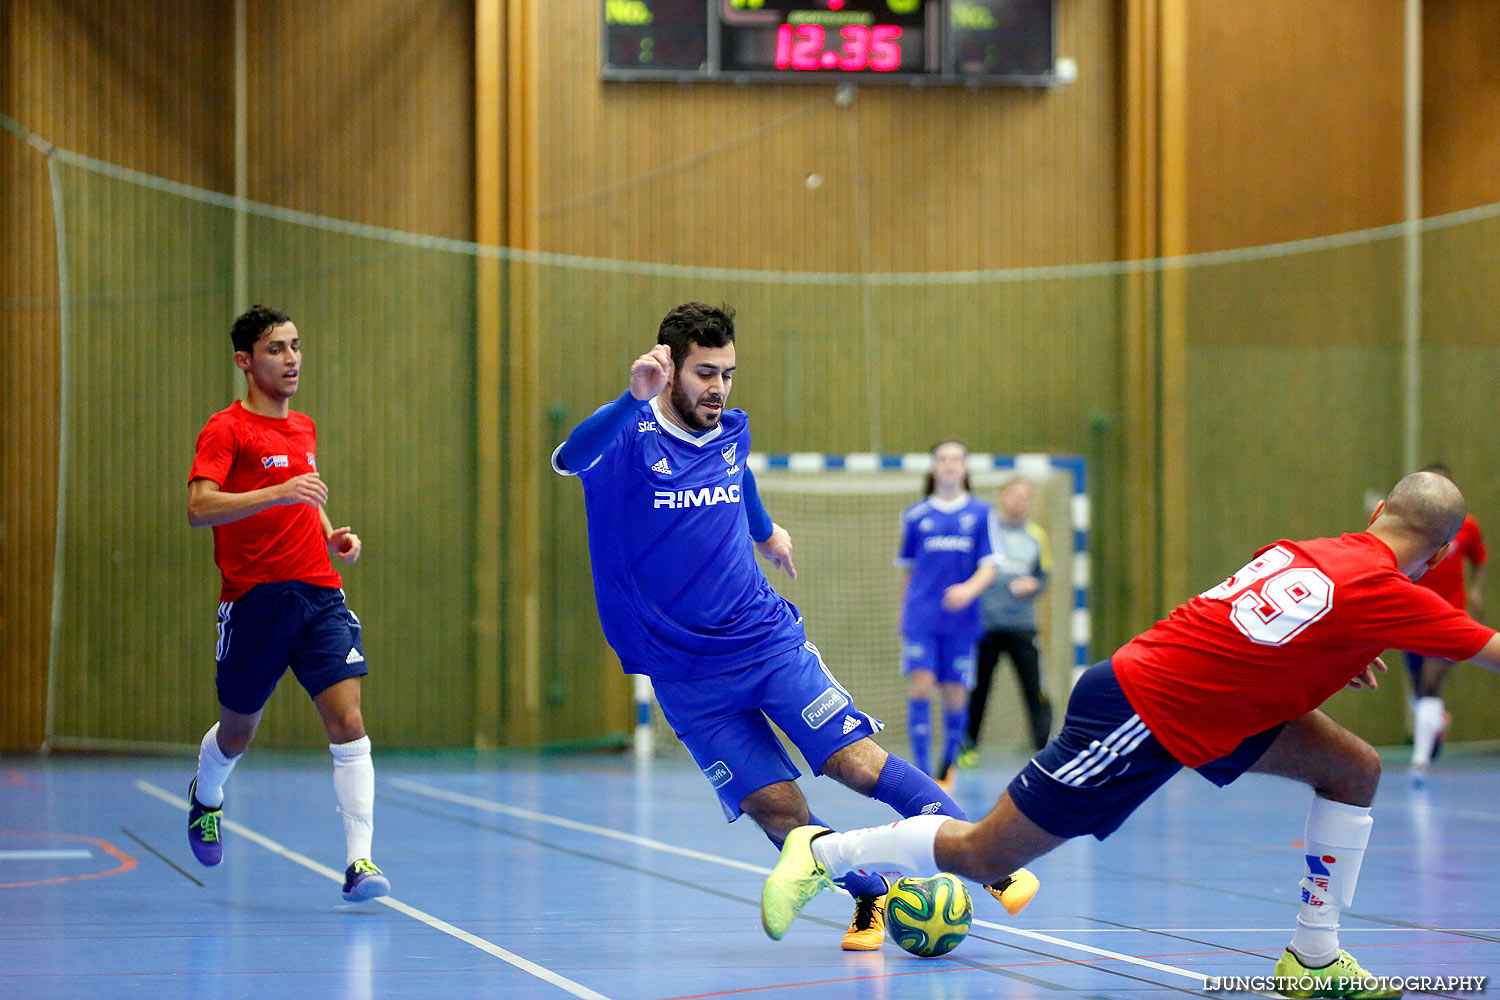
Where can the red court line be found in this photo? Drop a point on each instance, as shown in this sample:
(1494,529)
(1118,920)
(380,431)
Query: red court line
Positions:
(126,861)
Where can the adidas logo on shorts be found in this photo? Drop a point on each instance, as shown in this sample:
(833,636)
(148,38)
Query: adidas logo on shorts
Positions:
(354,656)
(662,467)
(850,724)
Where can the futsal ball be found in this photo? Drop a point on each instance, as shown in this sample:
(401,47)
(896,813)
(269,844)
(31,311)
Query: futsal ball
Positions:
(928,916)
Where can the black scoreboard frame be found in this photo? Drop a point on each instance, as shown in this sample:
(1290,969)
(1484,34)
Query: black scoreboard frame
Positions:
(937,12)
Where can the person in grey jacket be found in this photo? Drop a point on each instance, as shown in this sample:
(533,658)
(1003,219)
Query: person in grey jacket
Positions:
(1008,613)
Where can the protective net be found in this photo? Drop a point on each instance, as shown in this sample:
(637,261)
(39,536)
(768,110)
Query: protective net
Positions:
(1283,391)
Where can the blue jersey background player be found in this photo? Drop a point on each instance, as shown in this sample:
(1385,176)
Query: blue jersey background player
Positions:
(672,511)
(948,549)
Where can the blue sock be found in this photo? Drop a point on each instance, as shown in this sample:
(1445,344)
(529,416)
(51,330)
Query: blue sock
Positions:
(912,793)
(853,883)
(955,725)
(919,731)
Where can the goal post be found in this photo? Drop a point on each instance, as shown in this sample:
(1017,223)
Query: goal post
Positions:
(843,513)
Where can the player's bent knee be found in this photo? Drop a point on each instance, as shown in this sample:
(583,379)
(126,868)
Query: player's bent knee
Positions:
(345,727)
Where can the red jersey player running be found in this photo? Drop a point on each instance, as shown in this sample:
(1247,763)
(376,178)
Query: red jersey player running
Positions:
(1230,682)
(255,482)
(1446,579)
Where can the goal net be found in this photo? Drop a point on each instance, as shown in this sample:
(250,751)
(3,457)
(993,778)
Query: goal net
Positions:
(843,513)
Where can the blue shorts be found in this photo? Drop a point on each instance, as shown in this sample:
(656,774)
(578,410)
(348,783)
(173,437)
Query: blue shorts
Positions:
(1105,763)
(949,658)
(722,720)
(273,626)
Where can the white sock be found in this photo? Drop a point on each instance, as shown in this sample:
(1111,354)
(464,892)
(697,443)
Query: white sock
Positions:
(1336,837)
(901,848)
(213,769)
(1429,723)
(354,786)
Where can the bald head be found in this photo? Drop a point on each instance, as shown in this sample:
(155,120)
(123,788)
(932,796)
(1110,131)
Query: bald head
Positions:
(1426,508)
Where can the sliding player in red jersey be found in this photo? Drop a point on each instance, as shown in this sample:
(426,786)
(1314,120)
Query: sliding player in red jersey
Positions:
(1230,682)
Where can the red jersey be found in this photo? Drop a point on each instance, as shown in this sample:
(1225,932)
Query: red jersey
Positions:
(1278,638)
(1446,579)
(243,451)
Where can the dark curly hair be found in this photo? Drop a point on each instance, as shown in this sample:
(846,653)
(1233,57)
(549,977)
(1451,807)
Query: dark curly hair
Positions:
(251,324)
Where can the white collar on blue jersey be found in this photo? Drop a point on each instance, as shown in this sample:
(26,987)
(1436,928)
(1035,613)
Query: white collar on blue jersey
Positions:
(697,440)
(950,506)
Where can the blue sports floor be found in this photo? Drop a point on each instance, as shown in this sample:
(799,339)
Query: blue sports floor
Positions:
(520,877)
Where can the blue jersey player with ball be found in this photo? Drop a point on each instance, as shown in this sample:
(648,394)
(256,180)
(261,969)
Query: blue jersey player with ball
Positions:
(674,524)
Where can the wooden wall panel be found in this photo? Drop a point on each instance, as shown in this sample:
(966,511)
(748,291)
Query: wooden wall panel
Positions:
(1460,105)
(364,110)
(1294,112)
(911,179)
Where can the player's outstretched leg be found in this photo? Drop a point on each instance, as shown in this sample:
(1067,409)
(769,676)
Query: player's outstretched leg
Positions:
(912,793)
(792,884)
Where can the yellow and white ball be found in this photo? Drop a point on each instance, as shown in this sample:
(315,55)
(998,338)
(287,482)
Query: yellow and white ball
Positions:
(928,916)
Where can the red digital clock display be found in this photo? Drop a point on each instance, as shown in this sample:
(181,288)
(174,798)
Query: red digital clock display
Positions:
(826,37)
(856,47)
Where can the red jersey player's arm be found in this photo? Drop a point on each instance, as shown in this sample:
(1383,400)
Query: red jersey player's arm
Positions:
(209,505)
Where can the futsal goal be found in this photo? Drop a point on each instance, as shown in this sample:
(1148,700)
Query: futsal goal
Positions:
(843,513)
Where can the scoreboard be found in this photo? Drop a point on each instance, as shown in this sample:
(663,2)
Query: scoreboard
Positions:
(973,42)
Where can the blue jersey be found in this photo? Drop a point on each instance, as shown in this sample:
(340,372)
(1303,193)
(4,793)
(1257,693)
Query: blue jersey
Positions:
(943,543)
(680,594)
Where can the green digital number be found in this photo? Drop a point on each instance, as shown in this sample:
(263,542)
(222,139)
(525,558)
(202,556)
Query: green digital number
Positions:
(626,12)
(972,16)
(904,6)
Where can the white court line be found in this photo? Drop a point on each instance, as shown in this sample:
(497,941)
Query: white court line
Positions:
(45,855)
(486,804)
(546,975)
(1198,977)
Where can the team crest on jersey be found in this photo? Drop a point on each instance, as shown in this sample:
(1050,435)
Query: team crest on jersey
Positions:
(966,522)
(728,452)
(274,461)
(662,467)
